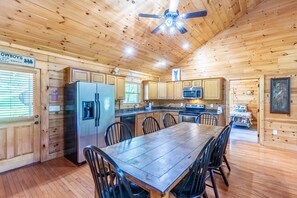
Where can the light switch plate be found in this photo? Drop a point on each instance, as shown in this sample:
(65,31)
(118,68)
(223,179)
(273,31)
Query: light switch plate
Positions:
(274,132)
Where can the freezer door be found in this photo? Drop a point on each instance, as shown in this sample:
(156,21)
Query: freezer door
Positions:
(106,109)
(86,130)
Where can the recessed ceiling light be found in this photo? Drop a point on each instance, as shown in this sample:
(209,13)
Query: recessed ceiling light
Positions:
(129,51)
(186,46)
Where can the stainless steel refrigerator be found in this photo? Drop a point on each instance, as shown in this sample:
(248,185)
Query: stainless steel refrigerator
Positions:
(89,110)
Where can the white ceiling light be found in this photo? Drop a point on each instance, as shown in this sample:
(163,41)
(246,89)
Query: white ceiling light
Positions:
(172,30)
(129,51)
(186,46)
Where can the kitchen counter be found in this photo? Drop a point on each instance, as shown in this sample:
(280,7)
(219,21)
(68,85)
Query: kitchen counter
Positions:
(127,112)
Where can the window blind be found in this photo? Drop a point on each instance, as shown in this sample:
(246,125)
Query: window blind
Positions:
(16,94)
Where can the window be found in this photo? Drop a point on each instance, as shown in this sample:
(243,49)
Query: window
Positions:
(132,91)
(16,94)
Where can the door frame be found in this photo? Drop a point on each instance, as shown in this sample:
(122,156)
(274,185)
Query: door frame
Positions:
(261,98)
(37,111)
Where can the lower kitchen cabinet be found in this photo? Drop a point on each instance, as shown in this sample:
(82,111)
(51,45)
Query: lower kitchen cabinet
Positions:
(140,118)
(174,113)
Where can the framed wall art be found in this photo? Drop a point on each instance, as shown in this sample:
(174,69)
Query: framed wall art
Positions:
(280,95)
(175,74)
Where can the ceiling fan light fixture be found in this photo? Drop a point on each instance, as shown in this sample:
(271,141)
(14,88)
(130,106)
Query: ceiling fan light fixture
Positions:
(172,30)
(169,21)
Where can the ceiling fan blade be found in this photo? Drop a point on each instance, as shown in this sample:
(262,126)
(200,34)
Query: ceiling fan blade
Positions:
(150,16)
(181,28)
(194,14)
(157,28)
(173,5)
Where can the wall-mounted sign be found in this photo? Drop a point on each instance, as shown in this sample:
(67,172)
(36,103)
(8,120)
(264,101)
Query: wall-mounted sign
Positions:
(15,59)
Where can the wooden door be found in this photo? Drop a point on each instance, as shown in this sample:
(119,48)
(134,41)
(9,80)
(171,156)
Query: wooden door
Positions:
(162,90)
(178,90)
(19,121)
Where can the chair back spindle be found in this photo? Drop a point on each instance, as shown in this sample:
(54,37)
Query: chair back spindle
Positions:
(150,125)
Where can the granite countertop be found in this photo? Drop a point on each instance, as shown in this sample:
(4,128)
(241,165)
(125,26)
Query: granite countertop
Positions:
(127,112)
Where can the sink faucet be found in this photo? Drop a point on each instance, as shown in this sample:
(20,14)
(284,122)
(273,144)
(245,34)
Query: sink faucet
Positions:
(135,107)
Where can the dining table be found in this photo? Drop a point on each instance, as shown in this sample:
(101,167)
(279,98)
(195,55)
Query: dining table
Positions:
(158,161)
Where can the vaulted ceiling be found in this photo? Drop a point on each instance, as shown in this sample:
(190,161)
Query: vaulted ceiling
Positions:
(100,30)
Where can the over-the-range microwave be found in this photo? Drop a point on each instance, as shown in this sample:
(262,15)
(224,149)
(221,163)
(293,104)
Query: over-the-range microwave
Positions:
(192,93)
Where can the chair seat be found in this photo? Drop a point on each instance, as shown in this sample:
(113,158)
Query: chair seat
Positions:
(182,190)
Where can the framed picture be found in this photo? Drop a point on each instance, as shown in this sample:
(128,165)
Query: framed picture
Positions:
(280,95)
(175,74)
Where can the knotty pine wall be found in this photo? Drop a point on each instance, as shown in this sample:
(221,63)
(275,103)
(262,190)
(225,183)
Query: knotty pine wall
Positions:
(53,76)
(263,42)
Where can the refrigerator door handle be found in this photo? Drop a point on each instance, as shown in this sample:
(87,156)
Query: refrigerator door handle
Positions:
(97,109)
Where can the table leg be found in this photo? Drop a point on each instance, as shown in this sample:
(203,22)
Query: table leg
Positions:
(156,194)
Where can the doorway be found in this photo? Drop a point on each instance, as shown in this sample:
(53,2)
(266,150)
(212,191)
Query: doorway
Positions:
(19,117)
(244,106)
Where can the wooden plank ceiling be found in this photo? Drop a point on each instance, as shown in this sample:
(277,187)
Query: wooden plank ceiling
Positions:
(100,30)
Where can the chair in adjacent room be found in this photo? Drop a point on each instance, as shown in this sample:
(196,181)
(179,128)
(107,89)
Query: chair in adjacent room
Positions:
(116,133)
(224,155)
(215,164)
(207,118)
(150,125)
(109,179)
(193,184)
(168,120)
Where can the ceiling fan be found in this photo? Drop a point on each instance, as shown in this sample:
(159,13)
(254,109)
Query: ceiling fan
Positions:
(172,18)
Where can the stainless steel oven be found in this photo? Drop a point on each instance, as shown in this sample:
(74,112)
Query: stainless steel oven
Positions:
(191,113)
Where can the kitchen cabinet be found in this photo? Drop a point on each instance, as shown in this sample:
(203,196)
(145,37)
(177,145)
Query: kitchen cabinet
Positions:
(178,90)
(173,113)
(175,90)
(119,85)
(197,83)
(187,83)
(150,90)
(162,90)
(74,75)
(97,77)
(170,90)
(139,118)
(120,88)
(212,89)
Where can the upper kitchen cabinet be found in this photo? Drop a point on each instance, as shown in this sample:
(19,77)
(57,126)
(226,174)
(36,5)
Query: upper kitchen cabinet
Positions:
(74,75)
(175,90)
(212,89)
(97,77)
(187,83)
(119,84)
(162,90)
(150,90)
(197,83)
(120,88)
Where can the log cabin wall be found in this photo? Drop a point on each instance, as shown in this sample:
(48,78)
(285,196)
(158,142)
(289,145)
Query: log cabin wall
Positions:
(53,77)
(263,42)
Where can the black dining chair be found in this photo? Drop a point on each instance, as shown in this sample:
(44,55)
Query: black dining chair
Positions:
(150,125)
(215,164)
(207,118)
(224,155)
(193,184)
(168,120)
(116,133)
(109,179)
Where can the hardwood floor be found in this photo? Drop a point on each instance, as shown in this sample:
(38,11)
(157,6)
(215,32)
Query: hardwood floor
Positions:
(256,172)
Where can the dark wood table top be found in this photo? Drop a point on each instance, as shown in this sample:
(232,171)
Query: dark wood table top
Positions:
(159,159)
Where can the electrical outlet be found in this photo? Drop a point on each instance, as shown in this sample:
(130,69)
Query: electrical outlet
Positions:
(274,132)
(211,105)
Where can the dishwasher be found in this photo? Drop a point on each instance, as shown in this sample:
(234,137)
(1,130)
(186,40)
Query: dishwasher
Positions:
(129,120)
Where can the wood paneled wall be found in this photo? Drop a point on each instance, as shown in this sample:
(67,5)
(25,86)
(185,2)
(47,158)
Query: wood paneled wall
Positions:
(245,92)
(263,42)
(53,77)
